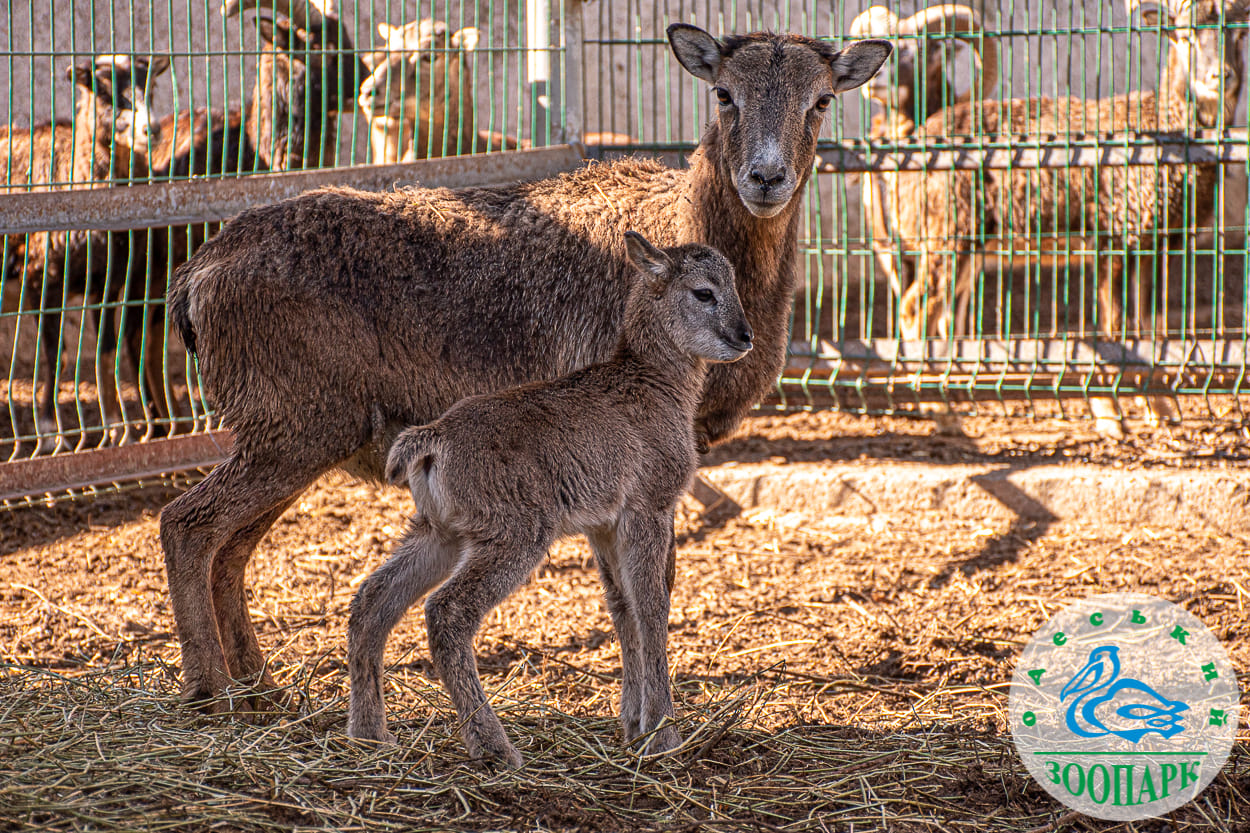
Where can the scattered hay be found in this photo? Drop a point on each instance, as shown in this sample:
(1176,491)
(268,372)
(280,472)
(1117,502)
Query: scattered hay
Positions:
(109,749)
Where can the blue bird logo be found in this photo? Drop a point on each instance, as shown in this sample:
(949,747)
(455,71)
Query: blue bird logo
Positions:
(1097,685)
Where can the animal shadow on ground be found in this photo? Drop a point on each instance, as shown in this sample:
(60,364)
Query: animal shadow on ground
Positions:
(1031,522)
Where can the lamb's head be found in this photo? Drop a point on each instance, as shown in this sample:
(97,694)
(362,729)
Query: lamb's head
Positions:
(423,80)
(690,290)
(1206,63)
(773,92)
(920,85)
(113,97)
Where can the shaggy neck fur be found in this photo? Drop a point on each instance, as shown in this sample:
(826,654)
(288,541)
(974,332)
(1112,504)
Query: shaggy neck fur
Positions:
(761,249)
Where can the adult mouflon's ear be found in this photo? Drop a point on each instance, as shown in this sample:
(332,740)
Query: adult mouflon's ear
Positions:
(648,259)
(696,50)
(857,63)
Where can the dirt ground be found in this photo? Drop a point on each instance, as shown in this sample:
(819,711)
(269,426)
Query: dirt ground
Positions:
(832,673)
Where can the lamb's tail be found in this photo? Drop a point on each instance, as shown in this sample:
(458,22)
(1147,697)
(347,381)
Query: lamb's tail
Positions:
(179,305)
(412,453)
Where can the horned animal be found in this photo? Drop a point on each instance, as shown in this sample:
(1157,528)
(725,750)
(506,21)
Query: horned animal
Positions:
(326,323)
(308,73)
(918,89)
(419,97)
(606,452)
(306,67)
(103,146)
(1076,210)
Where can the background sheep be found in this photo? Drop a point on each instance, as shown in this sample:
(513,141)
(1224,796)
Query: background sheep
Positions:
(1085,216)
(419,97)
(102,146)
(308,73)
(919,87)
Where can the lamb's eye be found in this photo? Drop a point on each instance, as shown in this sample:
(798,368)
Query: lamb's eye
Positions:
(822,103)
(704,296)
(724,97)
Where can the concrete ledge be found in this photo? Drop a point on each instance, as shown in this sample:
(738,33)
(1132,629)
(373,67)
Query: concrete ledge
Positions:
(1216,498)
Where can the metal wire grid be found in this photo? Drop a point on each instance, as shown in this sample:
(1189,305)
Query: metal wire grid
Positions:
(150,391)
(1031,328)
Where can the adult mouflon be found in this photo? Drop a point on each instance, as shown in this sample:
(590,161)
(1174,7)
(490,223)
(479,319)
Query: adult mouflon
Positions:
(606,451)
(326,323)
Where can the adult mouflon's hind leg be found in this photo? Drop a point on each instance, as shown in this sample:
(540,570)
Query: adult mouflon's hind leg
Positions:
(488,573)
(244,660)
(421,562)
(646,538)
(231,508)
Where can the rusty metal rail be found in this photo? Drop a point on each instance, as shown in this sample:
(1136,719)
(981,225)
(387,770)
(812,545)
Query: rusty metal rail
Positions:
(62,472)
(211,200)
(1039,151)
(1024,355)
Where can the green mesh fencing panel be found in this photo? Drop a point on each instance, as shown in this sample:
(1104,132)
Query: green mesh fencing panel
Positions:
(102,96)
(1035,203)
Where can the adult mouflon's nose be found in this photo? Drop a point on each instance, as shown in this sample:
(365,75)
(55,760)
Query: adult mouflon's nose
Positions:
(766,176)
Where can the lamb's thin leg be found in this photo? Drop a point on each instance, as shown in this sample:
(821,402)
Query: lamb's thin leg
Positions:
(646,539)
(604,543)
(489,572)
(421,562)
(228,506)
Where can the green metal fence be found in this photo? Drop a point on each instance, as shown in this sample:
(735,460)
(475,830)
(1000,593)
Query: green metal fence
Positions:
(956,248)
(261,99)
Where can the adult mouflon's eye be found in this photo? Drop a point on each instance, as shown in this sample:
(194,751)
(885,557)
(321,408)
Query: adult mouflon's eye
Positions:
(723,96)
(704,296)
(823,102)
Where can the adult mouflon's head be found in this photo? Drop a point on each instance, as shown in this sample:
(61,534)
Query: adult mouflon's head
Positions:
(694,297)
(773,92)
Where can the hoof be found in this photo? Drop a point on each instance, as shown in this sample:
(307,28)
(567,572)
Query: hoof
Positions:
(497,755)
(205,702)
(662,741)
(375,735)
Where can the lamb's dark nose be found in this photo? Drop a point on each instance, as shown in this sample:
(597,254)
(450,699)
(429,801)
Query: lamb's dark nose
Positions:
(745,335)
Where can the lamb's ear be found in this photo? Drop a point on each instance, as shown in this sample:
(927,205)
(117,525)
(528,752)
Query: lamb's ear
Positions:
(465,39)
(858,63)
(696,50)
(648,259)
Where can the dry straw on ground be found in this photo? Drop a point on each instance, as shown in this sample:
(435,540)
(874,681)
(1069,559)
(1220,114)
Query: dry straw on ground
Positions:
(831,673)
